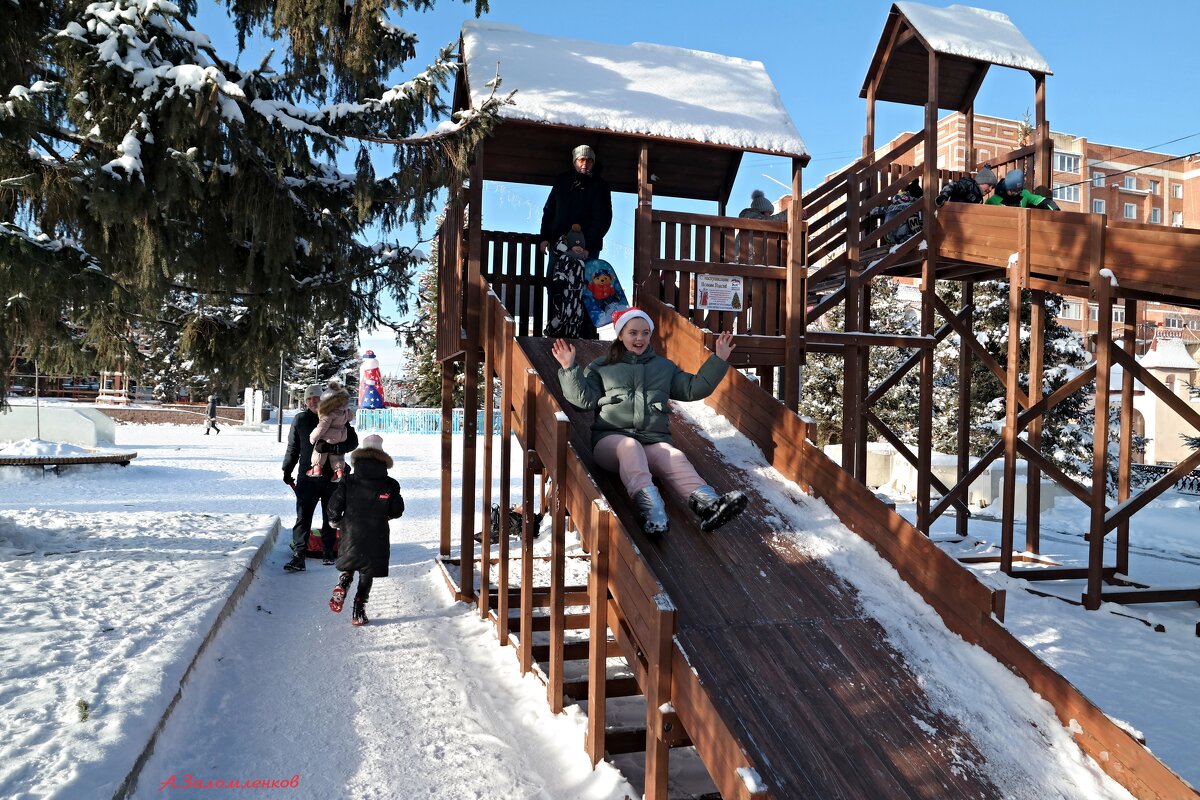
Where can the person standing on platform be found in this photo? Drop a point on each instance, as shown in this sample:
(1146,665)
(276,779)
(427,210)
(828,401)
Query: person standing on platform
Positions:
(580,197)
(311,490)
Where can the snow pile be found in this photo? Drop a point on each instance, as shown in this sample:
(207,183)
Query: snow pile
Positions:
(640,88)
(40,447)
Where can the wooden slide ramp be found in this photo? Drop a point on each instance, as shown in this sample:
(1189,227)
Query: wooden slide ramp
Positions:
(807,682)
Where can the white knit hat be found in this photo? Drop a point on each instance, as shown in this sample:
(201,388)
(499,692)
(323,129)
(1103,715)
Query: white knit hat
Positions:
(625,315)
(373,441)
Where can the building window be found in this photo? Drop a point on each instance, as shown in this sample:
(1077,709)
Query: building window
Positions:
(1097,206)
(1098,180)
(1130,211)
(1130,182)
(1173,322)
(1068,193)
(1153,187)
(1177,219)
(1156,216)
(1066,162)
(1118,314)
(1071,310)
(1177,191)
(1093,312)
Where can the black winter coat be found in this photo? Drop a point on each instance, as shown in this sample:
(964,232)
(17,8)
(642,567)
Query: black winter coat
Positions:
(577,198)
(299,448)
(361,506)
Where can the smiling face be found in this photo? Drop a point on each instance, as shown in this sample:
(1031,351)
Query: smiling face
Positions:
(635,335)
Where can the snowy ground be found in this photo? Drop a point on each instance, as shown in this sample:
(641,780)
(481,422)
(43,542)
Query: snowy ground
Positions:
(116,573)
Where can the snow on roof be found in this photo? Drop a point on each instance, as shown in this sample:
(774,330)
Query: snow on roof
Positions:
(639,88)
(1168,354)
(974,33)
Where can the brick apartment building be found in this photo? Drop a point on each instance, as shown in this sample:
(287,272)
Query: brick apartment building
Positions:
(1122,182)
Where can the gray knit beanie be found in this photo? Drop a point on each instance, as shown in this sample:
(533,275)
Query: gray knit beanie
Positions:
(760,203)
(985,175)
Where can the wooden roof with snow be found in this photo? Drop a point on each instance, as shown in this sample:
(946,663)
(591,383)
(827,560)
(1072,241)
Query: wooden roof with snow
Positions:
(700,110)
(967,42)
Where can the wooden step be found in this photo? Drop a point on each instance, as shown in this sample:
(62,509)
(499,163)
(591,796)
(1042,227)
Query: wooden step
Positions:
(615,687)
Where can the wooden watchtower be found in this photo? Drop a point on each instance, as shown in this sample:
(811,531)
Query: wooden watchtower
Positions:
(791,691)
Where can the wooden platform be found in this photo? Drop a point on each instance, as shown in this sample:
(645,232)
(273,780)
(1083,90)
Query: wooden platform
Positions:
(780,644)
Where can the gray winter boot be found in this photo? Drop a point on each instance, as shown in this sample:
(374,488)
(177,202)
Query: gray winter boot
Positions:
(715,510)
(653,511)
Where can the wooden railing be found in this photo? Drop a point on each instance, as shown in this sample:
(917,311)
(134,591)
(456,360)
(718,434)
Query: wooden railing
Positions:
(516,270)
(688,245)
(623,594)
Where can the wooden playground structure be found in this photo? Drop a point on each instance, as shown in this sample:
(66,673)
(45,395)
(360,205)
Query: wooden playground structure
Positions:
(755,680)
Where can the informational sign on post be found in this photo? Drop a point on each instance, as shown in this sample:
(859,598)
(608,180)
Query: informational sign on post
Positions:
(719,292)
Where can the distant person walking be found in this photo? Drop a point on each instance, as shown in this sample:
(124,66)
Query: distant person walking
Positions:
(210,416)
(362,506)
(311,490)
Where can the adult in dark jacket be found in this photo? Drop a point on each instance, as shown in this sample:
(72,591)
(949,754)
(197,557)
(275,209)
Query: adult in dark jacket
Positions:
(362,506)
(311,490)
(968,189)
(580,197)
(210,415)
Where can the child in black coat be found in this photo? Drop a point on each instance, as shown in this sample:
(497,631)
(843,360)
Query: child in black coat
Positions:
(361,507)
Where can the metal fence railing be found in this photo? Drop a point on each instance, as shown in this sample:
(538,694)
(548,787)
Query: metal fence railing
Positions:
(1189,483)
(413,420)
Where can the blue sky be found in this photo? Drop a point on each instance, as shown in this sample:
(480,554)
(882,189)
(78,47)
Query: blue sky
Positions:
(1125,74)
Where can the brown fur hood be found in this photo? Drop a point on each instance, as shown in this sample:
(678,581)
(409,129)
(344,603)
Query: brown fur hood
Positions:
(332,399)
(371,454)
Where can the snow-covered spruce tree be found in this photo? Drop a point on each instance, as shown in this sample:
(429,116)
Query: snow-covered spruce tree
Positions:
(135,160)
(821,397)
(325,351)
(1066,430)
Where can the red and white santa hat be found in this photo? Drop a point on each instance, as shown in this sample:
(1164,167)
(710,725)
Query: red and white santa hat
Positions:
(628,314)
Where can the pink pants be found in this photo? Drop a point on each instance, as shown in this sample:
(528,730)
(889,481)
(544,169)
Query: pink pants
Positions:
(636,463)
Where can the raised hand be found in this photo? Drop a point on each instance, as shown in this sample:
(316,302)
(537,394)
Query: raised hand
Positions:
(563,353)
(725,345)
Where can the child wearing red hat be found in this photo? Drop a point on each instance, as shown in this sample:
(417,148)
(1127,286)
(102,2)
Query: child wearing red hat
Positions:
(630,390)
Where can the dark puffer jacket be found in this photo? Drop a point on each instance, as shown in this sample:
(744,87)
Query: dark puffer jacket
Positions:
(631,396)
(361,506)
(585,200)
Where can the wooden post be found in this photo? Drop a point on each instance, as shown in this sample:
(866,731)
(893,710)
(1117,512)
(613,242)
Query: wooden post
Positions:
(928,295)
(851,324)
(860,388)
(643,224)
(1129,343)
(485,494)
(527,521)
(969,161)
(1041,157)
(658,695)
(1037,375)
(869,136)
(1016,282)
(558,534)
(601,524)
(1102,294)
(506,413)
(961,521)
(471,378)
(447,454)
(797,273)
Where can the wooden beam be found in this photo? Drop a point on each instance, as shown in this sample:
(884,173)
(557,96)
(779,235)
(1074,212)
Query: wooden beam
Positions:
(485,493)
(1102,295)
(1037,375)
(1016,280)
(967,317)
(509,329)
(600,523)
(447,456)
(558,533)
(928,295)
(795,324)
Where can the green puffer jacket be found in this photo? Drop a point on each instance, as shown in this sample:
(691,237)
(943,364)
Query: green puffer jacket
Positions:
(630,396)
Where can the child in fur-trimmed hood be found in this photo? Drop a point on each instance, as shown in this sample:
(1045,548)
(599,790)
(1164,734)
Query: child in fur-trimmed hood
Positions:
(362,506)
(335,414)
